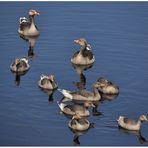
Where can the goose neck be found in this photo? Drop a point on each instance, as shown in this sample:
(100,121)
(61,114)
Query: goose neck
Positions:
(83,47)
(31,20)
(95,91)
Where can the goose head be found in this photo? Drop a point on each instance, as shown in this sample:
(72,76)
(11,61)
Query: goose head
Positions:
(103,80)
(81,42)
(96,85)
(17,60)
(33,13)
(51,77)
(76,116)
(143,118)
(102,83)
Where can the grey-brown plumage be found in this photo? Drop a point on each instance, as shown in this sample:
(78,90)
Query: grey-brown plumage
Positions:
(79,123)
(27,26)
(47,82)
(72,109)
(129,121)
(107,87)
(84,56)
(131,124)
(85,53)
(20,65)
(82,95)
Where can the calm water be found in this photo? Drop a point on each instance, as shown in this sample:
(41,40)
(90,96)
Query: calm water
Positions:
(118,34)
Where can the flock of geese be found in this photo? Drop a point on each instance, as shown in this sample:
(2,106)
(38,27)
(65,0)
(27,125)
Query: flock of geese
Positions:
(82,99)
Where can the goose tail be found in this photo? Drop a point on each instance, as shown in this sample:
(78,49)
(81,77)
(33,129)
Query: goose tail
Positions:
(66,93)
(23,20)
(61,105)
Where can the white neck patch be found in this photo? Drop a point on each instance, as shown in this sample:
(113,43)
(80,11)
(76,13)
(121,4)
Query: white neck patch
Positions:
(88,47)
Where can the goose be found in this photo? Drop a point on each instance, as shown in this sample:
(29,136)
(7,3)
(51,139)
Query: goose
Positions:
(84,56)
(72,109)
(79,123)
(20,65)
(107,87)
(47,82)
(27,26)
(82,95)
(131,124)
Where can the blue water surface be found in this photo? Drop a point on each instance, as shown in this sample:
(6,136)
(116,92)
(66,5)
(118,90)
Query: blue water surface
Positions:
(118,35)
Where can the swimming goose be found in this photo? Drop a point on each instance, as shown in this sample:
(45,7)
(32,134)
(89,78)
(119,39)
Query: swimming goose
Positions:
(107,87)
(47,82)
(79,123)
(84,56)
(131,124)
(20,65)
(72,109)
(82,95)
(28,27)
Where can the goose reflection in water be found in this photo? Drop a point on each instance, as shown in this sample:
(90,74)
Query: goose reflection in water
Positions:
(95,111)
(106,97)
(31,43)
(80,71)
(50,94)
(141,139)
(18,76)
(77,134)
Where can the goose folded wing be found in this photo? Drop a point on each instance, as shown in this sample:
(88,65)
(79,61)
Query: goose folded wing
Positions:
(85,93)
(129,121)
(25,25)
(45,81)
(23,64)
(70,108)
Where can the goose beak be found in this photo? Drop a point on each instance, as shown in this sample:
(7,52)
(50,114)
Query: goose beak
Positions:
(37,13)
(93,105)
(76,41)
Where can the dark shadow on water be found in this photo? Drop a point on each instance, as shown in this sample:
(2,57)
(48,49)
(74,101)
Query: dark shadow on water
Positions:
(50,94)
(31,44)
(81,85)
(141,139)
(80,71)
(95,111)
